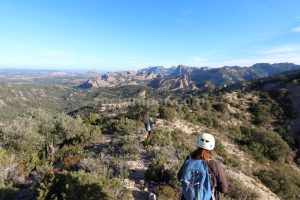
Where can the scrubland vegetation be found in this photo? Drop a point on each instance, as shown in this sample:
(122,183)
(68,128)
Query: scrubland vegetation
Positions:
(87,154)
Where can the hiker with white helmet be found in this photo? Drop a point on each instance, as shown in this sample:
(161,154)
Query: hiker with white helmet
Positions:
(202,178)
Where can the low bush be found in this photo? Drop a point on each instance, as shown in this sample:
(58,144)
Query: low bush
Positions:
(165,192)
(239,116)
(264,143)
(181,142)
(265,111)
(91,118)
(167,113)
(206,105)
(282,181)
(162,171)
(282,97)
(220,107)
(112,168)
(157,172)
(38,136)
(232,160)
(229,160)
(78,186)
(121,126)
(237,190)
(191,117)
(206,120)
(220,149)
(125,147)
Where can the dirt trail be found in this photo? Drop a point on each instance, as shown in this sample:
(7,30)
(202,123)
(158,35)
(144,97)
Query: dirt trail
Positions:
(136,182)
(185,126)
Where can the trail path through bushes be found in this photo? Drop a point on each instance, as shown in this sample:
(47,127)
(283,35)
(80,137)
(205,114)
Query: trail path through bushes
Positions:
(136,182)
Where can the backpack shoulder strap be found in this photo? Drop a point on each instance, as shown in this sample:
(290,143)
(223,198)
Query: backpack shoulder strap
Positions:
(213,180)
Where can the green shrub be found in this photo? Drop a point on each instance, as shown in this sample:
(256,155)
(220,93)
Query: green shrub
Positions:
(237,190)
(216,123)
(206,119)
(79,185)
(220,149)
(156,172)
(234,132)
(139,112)
(230,160)
(281,182)
(281,96)
(38,136)
(165,192)
(109,168)
(266,143)
(262,120)
(91,118)
(160,138)
(125,147)
(162,171)
(122,125)
(220,107)
(266,110)
(191,117)
(239,116)
(182,143)
(167,113)
(69,186)
(206,105)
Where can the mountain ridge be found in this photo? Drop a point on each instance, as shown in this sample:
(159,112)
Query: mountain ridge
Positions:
(162,78)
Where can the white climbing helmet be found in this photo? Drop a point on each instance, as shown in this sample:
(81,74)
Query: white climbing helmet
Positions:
(206,141)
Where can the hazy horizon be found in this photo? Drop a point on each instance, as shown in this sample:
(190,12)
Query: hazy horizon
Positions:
(99,70)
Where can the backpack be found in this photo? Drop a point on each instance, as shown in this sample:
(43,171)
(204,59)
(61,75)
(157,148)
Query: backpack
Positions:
(148,126)
(195,180)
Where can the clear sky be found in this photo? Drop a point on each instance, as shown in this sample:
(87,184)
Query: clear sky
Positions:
(132,34)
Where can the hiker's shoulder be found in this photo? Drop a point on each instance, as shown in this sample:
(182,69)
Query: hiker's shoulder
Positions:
(214,163)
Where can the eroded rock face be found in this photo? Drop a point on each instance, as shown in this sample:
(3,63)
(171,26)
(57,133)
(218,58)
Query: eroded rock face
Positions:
(94,83)
(113,79)
(2,103)
(177,83)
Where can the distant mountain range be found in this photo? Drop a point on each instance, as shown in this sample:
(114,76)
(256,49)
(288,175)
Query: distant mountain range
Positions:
(188,78)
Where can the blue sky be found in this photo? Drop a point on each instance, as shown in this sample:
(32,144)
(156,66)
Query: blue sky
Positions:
(132,34)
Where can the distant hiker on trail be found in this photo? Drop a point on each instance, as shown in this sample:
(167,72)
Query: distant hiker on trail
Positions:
(201,177)
(149,126)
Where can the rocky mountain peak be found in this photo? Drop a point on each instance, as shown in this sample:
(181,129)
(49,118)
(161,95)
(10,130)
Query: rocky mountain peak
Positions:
(183,77)
(94,83)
